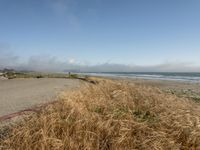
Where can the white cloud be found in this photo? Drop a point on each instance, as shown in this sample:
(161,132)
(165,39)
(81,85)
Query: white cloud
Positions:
(7,59)
(48,63)
(72,61)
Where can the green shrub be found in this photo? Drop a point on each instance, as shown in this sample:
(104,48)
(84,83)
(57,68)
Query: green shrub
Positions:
(39,76)
(73,76)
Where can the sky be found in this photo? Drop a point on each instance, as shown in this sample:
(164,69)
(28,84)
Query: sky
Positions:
(100,35)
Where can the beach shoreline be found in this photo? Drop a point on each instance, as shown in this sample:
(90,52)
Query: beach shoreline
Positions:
(28,92)
(183,89)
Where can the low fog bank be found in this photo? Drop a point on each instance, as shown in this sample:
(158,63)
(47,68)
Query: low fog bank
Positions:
(53,64)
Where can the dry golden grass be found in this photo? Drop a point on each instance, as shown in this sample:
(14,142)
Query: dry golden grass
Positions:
(108,116)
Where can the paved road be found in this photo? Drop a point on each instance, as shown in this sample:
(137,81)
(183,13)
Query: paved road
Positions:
(19,94)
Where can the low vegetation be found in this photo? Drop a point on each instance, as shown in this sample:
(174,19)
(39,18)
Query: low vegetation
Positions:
(110,115)
(72,76)
(12,75)
(185,93)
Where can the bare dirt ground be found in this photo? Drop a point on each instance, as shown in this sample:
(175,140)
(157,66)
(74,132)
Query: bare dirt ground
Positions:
(19,94)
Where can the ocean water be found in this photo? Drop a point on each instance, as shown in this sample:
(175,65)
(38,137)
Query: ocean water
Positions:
(171,76)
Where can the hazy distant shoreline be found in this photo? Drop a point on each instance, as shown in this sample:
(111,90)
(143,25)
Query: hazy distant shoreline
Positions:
(182,77)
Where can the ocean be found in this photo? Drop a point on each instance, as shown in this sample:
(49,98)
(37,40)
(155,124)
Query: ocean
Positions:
(170,76)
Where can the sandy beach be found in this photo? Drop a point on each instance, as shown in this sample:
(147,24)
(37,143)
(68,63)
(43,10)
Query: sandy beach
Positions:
(19,94)
(181,89)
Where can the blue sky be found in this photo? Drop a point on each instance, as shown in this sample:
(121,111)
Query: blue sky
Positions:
(93,32)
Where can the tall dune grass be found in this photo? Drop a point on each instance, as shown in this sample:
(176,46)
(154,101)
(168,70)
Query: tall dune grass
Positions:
(109,116)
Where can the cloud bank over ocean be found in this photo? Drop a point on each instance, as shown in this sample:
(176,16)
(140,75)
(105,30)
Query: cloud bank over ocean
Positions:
(46,63)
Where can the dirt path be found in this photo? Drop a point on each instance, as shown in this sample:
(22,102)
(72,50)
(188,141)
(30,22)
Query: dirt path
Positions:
(18,94)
